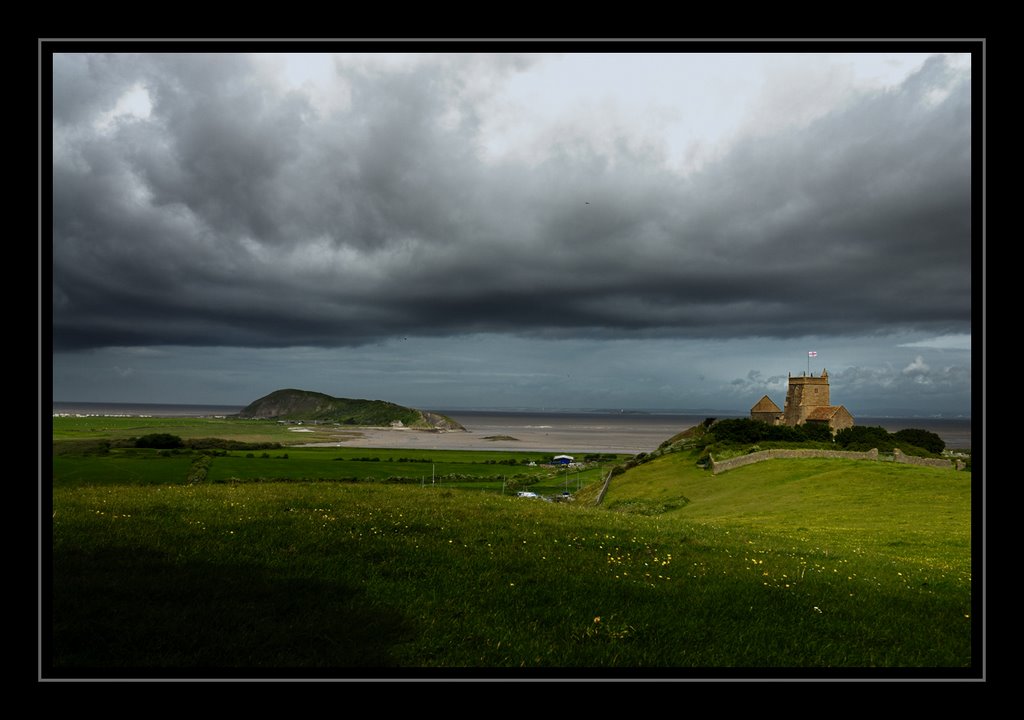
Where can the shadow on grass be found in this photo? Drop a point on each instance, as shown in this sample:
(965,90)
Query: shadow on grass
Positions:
(118,608)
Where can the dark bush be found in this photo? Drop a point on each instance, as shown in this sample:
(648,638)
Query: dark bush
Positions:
(863,437)
(921,438)
(783,433)
(223,444)
(743,431)
(817,431)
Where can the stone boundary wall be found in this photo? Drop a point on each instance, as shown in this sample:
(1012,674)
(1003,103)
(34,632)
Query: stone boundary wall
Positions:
(718,466)
(898,456)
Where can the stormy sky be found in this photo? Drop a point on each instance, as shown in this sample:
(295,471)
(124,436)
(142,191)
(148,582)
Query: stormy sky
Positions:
(564,230)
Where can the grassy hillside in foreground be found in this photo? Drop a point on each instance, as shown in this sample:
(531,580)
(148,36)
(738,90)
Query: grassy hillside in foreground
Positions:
(769,566)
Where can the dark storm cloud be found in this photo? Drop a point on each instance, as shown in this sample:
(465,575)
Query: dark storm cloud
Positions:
(243,213)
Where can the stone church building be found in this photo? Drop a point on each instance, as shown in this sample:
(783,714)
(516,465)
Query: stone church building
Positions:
(807,401)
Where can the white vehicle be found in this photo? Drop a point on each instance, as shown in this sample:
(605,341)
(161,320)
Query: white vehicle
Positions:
(527,494)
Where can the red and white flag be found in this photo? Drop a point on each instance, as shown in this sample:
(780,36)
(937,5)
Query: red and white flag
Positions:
(812,353)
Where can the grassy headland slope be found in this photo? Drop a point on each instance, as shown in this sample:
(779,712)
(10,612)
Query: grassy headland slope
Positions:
(902,509)
(307,406)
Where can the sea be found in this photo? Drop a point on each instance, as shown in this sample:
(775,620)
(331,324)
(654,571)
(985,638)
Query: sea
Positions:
(623,428)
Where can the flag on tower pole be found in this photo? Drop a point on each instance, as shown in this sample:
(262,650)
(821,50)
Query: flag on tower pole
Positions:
(810,354)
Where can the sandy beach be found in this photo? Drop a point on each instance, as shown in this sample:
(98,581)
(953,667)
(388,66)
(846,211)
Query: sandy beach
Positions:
(558,435)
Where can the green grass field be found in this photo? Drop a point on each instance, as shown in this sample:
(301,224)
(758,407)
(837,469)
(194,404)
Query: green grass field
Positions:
(118,428)
(786,565)
(458,469)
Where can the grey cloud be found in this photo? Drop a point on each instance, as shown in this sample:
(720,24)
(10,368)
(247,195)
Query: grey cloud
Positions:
(238,214)
(918,367)
(916,385)
(754,385)
(86,85)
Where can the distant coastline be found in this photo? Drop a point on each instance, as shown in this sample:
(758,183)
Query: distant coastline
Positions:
(956,432)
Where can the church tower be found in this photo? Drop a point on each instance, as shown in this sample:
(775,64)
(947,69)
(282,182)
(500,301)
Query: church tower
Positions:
(805,393)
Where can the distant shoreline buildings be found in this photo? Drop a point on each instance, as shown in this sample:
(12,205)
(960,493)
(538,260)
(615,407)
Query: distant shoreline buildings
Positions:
(807,401)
